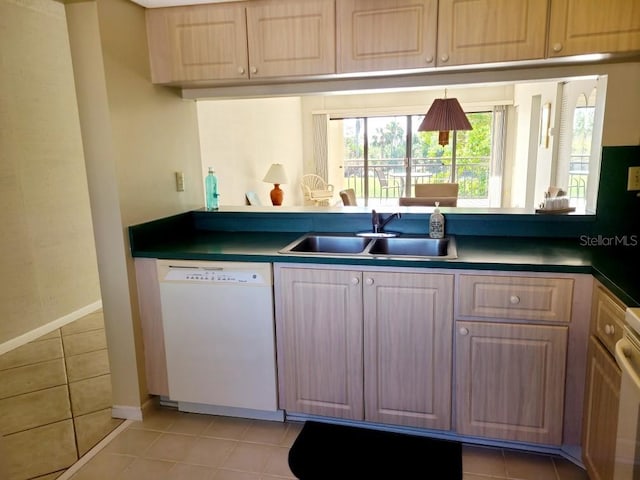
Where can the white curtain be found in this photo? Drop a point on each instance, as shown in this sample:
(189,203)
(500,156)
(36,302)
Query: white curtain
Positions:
(320,145)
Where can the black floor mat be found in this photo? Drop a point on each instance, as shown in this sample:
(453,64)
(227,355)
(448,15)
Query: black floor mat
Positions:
(325,451)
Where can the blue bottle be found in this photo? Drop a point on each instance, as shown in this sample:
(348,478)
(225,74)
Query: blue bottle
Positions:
(211,190)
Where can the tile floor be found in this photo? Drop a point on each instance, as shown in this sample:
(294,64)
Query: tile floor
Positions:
(172,445)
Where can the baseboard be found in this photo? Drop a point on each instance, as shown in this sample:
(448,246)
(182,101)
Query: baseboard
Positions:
(443,435)
(277,415)
(126,412)
(49,327)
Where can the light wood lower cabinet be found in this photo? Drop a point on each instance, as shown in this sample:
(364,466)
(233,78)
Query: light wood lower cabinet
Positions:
(510,381)
(601,412)
(602,390)
(370,345)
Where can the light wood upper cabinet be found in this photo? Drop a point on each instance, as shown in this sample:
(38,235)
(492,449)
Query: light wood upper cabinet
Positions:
(241,41)
(510,381)
(378,35)
(482,31)
(408,320)
(291,38)
(593,26)
(197,43)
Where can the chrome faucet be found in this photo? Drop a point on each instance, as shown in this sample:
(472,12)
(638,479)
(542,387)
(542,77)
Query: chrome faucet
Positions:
(378,222)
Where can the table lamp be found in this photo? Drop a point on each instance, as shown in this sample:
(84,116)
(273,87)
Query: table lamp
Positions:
(277,176)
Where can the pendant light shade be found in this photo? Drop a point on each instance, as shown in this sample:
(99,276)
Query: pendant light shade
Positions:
(445,114)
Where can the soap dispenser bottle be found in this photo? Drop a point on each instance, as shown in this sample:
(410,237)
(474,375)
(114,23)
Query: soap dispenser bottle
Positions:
(211,190)
(436,223)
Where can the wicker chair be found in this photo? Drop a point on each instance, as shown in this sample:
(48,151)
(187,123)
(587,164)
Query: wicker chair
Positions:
(315,190)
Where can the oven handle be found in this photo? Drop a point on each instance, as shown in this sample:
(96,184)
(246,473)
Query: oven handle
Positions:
(623,351)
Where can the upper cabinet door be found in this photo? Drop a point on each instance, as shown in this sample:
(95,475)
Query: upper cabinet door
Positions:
(291,38)
(593,26)
(198,42)
(378,35)
(482,31)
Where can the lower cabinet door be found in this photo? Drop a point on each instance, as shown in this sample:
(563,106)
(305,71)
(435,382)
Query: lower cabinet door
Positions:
(408,320)
(319,335)
(601,412)
(510,381)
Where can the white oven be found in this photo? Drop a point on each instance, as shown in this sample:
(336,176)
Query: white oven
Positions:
(627,458)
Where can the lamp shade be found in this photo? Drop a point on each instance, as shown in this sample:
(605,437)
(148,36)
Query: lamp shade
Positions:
(445,114)
(276,175)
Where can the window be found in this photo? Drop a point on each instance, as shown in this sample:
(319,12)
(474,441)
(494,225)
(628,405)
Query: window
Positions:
(383,157)
(583,119)
(579,144)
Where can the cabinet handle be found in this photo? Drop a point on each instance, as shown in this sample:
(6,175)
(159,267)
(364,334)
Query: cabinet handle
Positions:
(429,59)
(444,58)
(241,70)
(514,300)
(369,281)
(557,47)
(355,281)
(254,70)
(609,329)
(463,331)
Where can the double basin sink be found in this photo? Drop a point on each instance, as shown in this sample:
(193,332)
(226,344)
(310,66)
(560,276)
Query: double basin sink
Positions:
(402,246)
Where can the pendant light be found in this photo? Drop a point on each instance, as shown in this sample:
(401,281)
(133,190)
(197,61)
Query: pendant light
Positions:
(445,114)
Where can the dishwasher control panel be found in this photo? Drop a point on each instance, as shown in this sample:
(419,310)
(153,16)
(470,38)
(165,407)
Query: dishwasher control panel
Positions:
(206,275)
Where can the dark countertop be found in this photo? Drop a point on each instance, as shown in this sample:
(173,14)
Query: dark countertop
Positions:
(615,267)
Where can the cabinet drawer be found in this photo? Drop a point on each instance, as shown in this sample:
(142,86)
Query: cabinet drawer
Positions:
(519,298)
(608,318)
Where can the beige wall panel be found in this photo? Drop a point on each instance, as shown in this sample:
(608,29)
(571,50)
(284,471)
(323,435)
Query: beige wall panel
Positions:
(49,336)
(33,352)
(84,342)
(93,321)
(40,451)
(87,365)
(46,217)
(34,409)
(30,378)
(93,427)
(90,395)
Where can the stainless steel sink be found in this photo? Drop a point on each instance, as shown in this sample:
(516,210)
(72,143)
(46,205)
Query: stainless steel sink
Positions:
(414,246)
(404,246)
(328,244)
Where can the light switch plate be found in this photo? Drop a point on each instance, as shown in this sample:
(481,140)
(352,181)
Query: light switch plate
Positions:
(634,178)
(180,181)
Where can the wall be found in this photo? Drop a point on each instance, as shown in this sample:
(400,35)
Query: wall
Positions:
(135,136)
(522,184)
(48,264)
(242,138)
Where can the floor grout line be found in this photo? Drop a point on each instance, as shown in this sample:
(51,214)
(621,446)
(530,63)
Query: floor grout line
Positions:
(73,469)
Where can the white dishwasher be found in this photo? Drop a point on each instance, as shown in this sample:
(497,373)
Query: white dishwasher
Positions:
(219,337)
